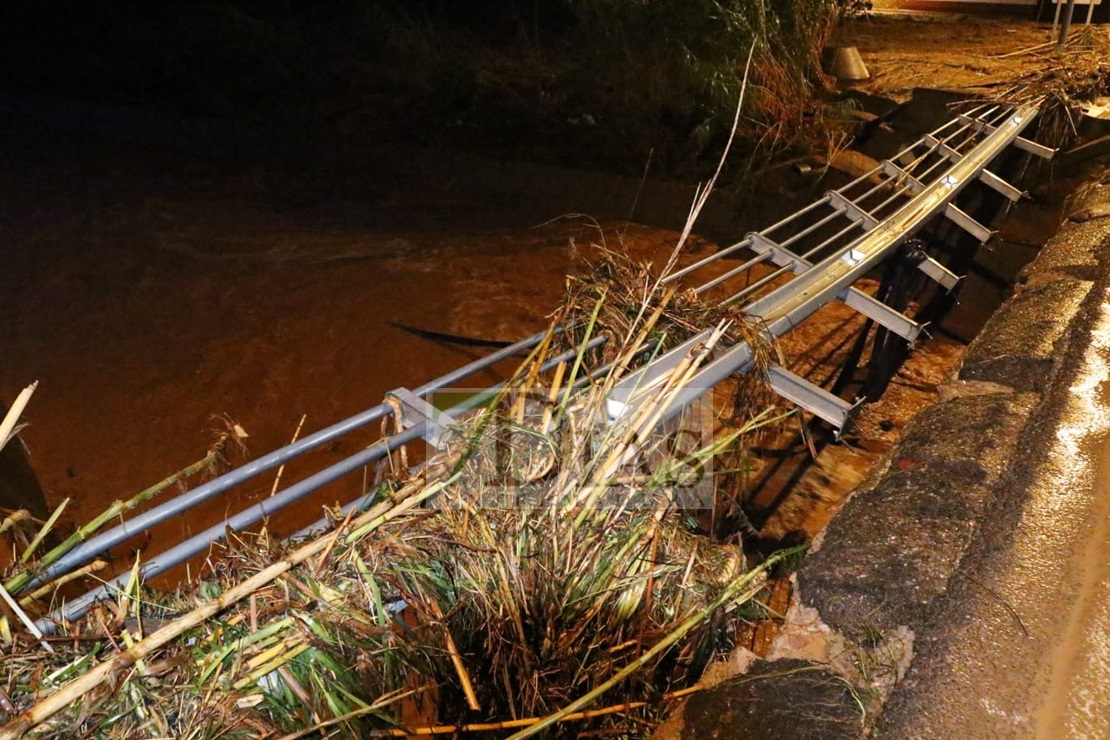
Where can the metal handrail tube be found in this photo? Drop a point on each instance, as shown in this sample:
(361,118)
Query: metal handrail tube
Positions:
(898,189)
(843,189)
(758,284)
(898,193)
(964,127)
(549,364)
(786,244)
(796,214)
(835,237)
(922,176)
(799,298)
(454,376)
(108,539)
(705,261)
(732,273)
(199,542)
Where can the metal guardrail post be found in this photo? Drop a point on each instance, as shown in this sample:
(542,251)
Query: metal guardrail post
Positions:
(1065,27)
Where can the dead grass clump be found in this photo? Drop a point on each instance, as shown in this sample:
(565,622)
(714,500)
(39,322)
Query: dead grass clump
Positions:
(623,293)
(541,561)
(1063,82)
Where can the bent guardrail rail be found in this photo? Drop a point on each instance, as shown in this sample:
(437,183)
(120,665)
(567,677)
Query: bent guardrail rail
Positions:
(819,253)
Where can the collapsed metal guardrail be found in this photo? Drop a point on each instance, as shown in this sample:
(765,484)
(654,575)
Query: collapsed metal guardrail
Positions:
(845,235)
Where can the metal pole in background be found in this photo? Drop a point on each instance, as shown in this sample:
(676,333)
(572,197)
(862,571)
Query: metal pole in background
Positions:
(1065,27)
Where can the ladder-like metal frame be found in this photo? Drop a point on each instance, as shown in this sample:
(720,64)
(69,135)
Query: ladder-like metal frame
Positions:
(818,254)
(912,199)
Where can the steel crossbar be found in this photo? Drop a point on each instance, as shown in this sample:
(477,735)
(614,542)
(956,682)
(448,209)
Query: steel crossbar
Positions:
(812,287)
(855,227)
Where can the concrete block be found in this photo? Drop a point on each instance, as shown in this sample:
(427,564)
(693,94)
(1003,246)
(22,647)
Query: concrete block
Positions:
(1019,346)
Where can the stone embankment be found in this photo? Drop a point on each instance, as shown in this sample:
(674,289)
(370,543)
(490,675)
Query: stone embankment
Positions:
(955,595)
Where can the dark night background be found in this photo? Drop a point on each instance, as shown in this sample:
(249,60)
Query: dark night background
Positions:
(595,84)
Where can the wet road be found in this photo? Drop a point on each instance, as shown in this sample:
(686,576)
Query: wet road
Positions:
(1023,644)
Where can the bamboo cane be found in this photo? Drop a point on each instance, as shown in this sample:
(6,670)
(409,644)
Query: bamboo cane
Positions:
(19,581)
(45,530)
(732,593)
(106,671)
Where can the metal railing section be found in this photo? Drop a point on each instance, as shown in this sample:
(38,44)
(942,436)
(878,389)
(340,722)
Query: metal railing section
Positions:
(919,190)
(810,258)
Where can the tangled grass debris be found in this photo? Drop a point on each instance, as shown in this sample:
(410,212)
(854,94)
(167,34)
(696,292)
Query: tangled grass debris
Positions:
(539,569)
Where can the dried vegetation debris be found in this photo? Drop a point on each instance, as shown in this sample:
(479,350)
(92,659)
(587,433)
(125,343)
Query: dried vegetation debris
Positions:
(539,561)
(1001,60)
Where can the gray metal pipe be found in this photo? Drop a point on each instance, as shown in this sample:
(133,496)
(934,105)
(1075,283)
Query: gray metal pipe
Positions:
(200,542)
(1065,27)
(88,550)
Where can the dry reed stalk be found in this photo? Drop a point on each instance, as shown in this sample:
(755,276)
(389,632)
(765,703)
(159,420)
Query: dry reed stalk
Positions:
(111,669)
(11,418)
(456,659)
(281,468)
(17,516)
(51,586)
(513,724)
(701,196)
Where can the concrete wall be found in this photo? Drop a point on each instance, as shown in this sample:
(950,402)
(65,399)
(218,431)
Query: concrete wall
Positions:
(907,597)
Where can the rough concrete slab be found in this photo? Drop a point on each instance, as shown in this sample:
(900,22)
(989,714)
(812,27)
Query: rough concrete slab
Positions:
(1076,251)
(888,556)
(1021,650)
(1018,347)
(966,430)
(1080,246)
(778,700)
